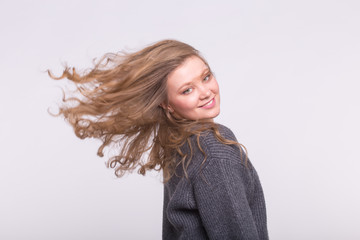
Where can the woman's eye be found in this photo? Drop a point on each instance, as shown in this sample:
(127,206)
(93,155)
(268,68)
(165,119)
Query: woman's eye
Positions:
(187,91)
(207,78)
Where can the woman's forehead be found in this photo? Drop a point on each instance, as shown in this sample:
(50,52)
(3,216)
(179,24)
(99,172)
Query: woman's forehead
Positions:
(192,68)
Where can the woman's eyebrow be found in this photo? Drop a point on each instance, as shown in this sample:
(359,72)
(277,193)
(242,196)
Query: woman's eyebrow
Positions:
(204,72)
(185,84)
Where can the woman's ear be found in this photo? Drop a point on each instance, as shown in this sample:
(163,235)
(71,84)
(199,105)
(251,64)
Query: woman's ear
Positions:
(167,107)
(171,110)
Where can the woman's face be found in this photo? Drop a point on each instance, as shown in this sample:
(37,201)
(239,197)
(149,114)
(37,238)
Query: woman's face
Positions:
(193,92)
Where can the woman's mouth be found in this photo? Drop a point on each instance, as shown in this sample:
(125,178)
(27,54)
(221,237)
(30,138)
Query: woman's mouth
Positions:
(209,104)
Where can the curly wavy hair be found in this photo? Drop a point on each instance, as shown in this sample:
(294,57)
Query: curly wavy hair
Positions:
(120,104)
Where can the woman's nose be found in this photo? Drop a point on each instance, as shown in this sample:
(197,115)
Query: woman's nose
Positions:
(205,93)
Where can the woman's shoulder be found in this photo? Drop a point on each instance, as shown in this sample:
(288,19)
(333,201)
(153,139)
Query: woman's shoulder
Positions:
(226,132)
(214,147)
(214,150)
(209,137)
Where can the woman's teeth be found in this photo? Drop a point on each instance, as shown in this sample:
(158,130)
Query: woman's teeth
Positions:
(209,103)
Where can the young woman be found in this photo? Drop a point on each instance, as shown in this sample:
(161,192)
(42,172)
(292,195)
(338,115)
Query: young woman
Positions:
(156,108)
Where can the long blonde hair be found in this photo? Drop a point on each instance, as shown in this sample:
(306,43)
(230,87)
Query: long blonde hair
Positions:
(120,103)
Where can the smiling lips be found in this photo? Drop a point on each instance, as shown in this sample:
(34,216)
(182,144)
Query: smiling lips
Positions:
(209,104)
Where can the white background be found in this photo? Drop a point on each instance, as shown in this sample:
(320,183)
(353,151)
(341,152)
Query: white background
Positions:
(289,78)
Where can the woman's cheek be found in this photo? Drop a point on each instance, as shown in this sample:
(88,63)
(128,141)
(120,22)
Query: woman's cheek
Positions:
(191,102)
(215,87)
(187,103)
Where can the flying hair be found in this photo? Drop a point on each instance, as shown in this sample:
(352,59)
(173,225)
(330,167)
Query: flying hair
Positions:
(119,102)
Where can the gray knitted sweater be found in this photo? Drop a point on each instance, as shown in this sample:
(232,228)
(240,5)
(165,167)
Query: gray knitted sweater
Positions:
(221,199)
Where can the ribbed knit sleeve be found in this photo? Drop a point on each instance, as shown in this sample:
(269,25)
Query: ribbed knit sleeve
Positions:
(223,199)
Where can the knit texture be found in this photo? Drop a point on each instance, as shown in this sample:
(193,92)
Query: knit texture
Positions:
(222,198)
